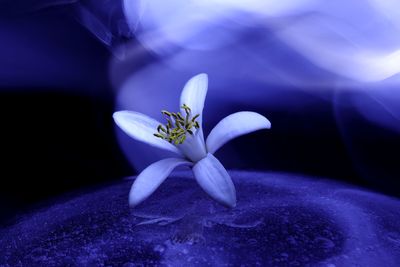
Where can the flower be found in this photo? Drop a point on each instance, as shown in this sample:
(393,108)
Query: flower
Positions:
(184,136)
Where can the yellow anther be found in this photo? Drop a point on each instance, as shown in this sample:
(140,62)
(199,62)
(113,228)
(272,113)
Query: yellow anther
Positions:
(195,117)
(158,135)
(177,126)
(180,116)
(186,108)
(183,138)
(166,113)
(189,125)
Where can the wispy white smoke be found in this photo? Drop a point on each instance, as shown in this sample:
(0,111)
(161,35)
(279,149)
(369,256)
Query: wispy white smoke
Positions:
(258,52)
(358,40)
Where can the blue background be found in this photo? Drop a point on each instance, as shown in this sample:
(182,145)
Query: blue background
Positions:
(66,66)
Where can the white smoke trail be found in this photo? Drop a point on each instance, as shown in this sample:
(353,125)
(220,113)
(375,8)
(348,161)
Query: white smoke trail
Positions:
(334,36)
(263,53)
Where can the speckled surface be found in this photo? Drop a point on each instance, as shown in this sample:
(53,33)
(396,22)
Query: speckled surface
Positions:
(280,220)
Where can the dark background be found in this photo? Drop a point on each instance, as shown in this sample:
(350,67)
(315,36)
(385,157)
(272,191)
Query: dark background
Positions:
(57,133)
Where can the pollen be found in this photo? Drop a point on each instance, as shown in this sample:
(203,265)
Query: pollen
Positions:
(178,126)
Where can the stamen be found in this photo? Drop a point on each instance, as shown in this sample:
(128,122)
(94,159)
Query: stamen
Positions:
(169,125)
(183,138)
(188,125)
(177,126)
(159,135)
(186,108)
(187,117)
(195,117)
(161,128)
(180,116)
(166,113)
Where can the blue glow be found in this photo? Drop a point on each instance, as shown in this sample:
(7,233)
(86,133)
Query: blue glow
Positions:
(264,55)
(326,73)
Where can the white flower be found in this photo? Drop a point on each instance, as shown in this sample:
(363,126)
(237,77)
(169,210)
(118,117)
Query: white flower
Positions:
(186,139)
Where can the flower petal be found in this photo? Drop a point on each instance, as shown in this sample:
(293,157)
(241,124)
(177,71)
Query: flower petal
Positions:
(151,178)
(235,125)
(194,93)
(194,147)
(141,127)
(215,180)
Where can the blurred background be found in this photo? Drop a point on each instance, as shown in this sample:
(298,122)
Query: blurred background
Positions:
(324,74)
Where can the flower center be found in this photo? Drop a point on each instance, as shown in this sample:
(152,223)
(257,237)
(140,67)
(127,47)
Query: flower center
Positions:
(177,126)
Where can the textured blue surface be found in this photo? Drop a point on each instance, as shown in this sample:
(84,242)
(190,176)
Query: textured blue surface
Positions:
(280,220)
